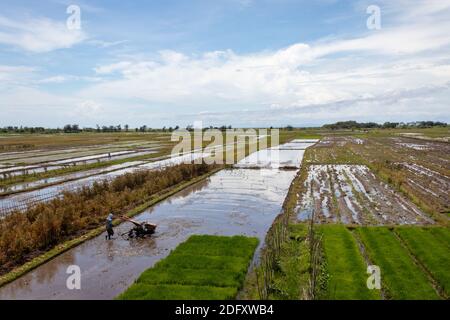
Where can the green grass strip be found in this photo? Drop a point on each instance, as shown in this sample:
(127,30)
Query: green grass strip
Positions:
(237,246)
(141,291)
(198,277)
(346,267)
(431,252)
(401,278)
(442,234)
(203,267)
(188,261)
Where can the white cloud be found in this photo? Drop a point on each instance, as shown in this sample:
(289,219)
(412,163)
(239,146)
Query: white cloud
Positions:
(111,68)
(65,78)
(86,109)
(54,79)
(106,44)
(288,77)
(13,74)
(38,34)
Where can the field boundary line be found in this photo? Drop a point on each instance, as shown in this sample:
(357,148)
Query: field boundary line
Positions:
(431,279)
(72,243)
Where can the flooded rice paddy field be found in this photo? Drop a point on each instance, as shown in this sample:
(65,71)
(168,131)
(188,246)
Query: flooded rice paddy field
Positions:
(21,201)
(230,202)
(58,164)
(352,194)
(67,177)
(339,188)
(288,155)
(70,182)
(46,155)
(421,167)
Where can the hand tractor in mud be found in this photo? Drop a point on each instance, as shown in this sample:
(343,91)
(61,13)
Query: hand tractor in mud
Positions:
(140,229)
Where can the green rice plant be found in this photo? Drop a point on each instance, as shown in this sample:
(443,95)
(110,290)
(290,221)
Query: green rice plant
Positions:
(401,278)
(200,261)
(198,277)
(430,251)
(237,246)
(142,291)
(203,267)
(442,234)
(346,268)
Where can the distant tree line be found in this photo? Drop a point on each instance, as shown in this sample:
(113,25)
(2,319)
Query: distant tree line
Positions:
(21,129)
(386,125)
(75,128)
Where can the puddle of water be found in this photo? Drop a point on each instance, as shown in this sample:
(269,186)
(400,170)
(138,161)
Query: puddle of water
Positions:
(286,155)
(272,158)
(230,202)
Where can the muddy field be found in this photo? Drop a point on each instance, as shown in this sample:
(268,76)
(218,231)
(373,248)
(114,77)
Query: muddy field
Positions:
(420,168)
(351,194)
(230,202)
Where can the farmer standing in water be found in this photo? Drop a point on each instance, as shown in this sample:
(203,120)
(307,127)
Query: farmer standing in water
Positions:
(109,226)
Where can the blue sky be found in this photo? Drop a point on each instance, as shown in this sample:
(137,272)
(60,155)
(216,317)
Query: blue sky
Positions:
(239,62)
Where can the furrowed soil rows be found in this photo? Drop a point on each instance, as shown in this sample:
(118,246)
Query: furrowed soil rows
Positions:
(418,168)
(351,194)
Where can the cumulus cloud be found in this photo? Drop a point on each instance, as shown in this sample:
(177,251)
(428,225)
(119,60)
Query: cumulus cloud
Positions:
(287,77)
(38,35)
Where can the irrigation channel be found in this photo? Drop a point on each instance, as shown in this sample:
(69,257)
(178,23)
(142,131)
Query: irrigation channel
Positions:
(232,201)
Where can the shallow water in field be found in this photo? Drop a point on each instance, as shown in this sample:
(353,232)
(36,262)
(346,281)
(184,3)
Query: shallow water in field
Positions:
(59,164)
(237,201)
(352,194)
(286,155)
(47,193)
(232,201)
(46,155)
(71,176)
